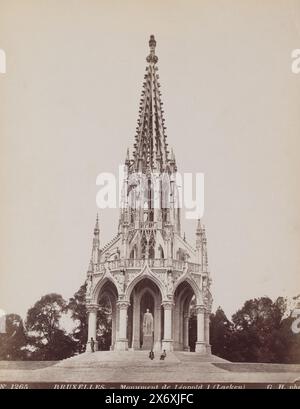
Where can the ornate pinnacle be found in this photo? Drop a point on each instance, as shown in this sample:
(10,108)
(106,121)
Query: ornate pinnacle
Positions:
(127,160)
(91,268)
(96,229)
(152,57)
(152,42)
(199,227)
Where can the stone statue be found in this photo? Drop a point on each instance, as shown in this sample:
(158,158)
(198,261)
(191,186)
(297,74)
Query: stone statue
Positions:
(148,323)
(89,286)
(121,281)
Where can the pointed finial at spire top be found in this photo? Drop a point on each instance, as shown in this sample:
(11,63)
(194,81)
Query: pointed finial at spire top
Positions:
(96,229)
(199,226)
(152,44)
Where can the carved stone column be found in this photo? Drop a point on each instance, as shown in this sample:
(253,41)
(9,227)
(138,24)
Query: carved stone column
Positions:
(206,331)
(136,322)
(176,326)
(167,342)
(186,320)
(157,327)
(122,341)
(200,344)
(113,327)
(92,323)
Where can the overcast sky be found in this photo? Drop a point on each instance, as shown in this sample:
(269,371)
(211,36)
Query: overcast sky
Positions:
(68,111)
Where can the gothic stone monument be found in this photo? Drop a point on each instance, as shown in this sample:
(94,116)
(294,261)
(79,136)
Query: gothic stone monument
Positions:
(149,272)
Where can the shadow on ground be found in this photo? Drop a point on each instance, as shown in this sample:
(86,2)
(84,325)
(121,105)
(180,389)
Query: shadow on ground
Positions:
(257,367)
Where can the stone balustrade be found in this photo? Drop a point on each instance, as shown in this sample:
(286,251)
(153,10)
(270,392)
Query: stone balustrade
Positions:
(176,265)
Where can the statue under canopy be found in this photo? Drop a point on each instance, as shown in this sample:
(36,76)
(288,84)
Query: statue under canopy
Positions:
(148,323)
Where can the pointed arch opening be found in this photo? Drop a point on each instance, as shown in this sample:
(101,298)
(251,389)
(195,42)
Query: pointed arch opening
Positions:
(133,253)
(106,316)
(161,253)
(145,316)
(184,325)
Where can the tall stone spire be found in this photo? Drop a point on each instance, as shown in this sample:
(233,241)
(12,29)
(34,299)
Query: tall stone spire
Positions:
(198,235)
(150,193)
(150,149)
(204,251)
(96,244)
(96,232)
(201,245)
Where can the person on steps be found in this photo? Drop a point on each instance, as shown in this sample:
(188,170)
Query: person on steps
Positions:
(92,345)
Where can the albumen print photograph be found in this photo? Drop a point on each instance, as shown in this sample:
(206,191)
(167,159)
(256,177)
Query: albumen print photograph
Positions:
(149,169)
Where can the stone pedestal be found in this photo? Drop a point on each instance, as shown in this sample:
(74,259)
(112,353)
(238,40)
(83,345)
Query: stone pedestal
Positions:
(147,342)
(201,348)
(167,344)
(200,344)
(157,346)
(122,341)
(121,345)
(208,349)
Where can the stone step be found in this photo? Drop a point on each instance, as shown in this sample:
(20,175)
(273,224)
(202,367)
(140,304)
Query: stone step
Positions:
(100,358)
(196,357)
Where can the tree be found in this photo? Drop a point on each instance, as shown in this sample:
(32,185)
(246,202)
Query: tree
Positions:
(258,331)
(50,341)
(221,333)
(77,307)
(104,325)
(13,339)
(62,346)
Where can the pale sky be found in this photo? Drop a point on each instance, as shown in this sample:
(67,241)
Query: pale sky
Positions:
(68,111)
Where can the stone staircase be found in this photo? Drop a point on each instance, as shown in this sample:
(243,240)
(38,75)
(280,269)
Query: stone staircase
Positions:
(115,358)
(136,358)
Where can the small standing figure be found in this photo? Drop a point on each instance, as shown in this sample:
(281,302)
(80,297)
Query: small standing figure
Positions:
(151,355)
(163,355)
(92,345)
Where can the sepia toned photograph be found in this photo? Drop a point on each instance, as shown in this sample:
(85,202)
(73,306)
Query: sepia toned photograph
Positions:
(149,223)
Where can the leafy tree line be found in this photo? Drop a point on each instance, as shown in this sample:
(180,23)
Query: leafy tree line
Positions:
(43,337)
(261,331)
(258,332)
